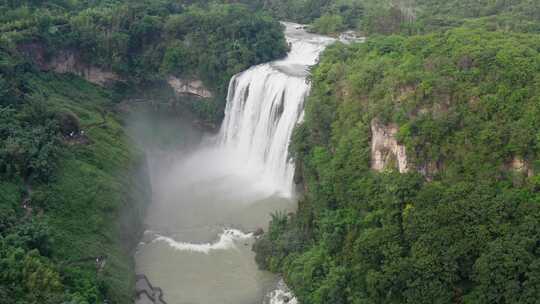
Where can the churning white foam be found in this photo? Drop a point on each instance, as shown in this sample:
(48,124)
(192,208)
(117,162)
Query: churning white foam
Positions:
(281,295)
(226,241)
(264,103)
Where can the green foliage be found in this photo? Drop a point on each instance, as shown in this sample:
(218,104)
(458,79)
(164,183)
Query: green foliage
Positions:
(29,145)
(142,41)
(407,16)
(65,191)
(462,226)
(66,197)
(136,39)
(28,277)
(219,41)
(328,24)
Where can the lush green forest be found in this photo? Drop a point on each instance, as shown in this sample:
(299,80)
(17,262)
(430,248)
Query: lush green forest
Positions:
(459,81)
(461,225)
(72,185)
(404,16)
(145,41)
(70,192)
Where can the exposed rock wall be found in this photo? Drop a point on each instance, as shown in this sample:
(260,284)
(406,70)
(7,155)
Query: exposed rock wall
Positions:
(189,87)
(67,62)
(519,165)
(386,152)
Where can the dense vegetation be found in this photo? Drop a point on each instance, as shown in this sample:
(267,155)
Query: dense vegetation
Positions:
(462,226)
(405,16)
(145,41)
(67,193)
(460,81)
(71,192)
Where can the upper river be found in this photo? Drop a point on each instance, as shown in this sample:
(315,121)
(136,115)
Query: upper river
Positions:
(210,191)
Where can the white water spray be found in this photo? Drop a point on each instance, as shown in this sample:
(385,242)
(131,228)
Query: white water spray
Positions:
(235,180)
(227,240)
(264,104)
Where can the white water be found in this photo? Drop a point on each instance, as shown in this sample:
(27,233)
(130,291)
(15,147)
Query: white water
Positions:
(227,240)
(281,295)
(234,181)
(264,104)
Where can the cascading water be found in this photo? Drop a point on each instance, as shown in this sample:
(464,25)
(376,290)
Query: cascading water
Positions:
(210,198)
(264,104)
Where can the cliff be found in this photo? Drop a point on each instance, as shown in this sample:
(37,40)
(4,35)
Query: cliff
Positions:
(67,61)
(188,87)
(421,161)
(386,152)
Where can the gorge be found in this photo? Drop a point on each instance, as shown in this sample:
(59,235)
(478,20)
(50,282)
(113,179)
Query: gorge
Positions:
(202,152)
(211,192)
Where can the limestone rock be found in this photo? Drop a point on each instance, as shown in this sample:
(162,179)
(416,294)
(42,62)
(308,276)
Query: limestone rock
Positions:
(385,149)
(519,165)
(189,87)
(67,62)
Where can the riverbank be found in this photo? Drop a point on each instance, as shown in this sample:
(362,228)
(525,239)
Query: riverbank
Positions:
(81,221)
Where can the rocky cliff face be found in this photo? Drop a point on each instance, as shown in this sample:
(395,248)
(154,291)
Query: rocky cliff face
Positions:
(189,87)
(386,152)
(519,165)
(67,61)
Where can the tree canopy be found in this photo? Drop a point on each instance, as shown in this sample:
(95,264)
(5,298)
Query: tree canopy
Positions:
(462,225)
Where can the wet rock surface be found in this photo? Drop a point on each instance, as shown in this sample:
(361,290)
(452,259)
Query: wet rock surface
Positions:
(385,150)
(145,293)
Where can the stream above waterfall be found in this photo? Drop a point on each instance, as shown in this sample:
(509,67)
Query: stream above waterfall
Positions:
(211,192)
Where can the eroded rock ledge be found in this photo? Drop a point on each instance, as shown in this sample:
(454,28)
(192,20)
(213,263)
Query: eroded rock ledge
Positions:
(387,153)
(70,61)
(67,61)
(193,87)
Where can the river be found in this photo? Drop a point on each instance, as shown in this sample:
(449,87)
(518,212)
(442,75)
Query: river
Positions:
(210,192)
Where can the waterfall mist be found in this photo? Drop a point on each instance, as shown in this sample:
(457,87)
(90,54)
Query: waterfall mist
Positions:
(211,191)
(264,104)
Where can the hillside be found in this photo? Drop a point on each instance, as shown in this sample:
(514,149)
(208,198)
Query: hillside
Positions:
(420,160)
(73,186)
(129,44)
(405,16)
(73,190)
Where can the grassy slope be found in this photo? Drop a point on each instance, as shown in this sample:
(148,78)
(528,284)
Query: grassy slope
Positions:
(95,186)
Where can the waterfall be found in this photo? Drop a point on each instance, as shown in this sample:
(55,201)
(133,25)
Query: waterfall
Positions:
(264,104)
